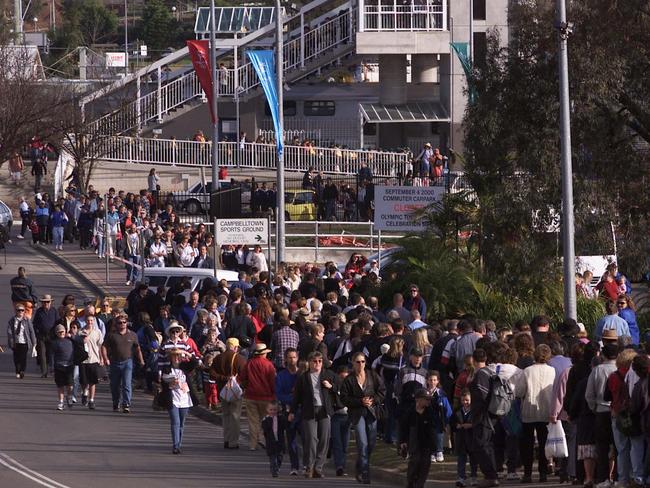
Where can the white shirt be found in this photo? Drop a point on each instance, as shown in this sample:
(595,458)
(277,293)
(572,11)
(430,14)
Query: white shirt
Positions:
(181,392)
(158,249)
(185,255)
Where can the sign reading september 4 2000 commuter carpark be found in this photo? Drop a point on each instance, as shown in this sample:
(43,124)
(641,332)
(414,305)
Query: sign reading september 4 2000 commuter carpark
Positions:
(242,231)
(394,206)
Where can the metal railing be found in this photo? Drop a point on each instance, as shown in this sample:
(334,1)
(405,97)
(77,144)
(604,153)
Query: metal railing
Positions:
(231,82)
(251,155)
(393,16)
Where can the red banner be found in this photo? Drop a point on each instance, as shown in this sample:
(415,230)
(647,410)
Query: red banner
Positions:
(200,54)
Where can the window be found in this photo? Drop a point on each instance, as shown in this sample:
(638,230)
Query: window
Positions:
(479,9)
(304,197)
(289,108)
(320,108)
(369,129)
(480,48)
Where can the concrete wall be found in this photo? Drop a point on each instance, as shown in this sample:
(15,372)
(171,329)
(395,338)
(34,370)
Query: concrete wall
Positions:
(403,42)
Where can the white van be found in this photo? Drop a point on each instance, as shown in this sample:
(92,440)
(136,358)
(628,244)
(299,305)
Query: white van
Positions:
(169,277)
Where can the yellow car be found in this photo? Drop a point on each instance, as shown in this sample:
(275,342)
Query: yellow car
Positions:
(299,204)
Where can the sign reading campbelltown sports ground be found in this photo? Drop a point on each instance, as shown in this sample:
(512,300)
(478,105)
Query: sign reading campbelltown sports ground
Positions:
(394,206)
(242,231)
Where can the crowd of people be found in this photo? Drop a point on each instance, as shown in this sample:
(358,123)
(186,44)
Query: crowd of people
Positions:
(314,355)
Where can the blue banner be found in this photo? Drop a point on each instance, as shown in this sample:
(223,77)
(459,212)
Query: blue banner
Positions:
(462,51)
(264,64)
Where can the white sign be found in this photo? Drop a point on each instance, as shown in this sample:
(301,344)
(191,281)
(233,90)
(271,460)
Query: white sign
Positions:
(115,60)
(394,206)
(242,231)
(143,50)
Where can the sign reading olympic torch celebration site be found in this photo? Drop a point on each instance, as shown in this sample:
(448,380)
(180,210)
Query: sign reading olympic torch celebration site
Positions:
(394,206)
(242,231)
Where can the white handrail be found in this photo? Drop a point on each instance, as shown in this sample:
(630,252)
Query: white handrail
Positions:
(251,155)
(391,17)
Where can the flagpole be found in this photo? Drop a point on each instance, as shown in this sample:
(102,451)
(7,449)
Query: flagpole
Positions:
(279,216)
(215,94)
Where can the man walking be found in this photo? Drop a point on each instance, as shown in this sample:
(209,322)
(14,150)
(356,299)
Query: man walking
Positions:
(22,292)
(285,382)
(45,318)
(258,379)
(118,350)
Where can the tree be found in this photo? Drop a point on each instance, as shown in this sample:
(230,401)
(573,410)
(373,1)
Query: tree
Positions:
(512,138)
(28,105)
(157,25)
(86,22)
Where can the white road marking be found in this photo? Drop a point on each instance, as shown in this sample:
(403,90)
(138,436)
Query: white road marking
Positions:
(23,470)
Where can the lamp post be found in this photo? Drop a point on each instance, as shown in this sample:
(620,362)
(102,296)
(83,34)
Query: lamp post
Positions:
(215,94)
(126,38)
(279,217)
(35,20)
(568,250)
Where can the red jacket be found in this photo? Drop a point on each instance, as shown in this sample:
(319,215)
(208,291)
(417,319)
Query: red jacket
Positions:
(616,390)
(258,379)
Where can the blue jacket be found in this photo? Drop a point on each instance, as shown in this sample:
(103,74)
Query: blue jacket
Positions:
(441,409)
(42,212)
(630,317)
(284,383)
(59,219)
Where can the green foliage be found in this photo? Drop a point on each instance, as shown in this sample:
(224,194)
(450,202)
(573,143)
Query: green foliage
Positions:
(86,22)
(512,139)
(157,25)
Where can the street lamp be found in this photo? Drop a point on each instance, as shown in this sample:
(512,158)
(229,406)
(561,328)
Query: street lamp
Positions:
(35,19)
(174,9)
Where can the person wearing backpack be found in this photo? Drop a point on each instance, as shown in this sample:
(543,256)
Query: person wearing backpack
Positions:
(536,395)
(507,377)
(625,427)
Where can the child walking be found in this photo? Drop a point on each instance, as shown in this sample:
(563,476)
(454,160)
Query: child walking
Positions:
(274,427)
(441,413)
(416,439)
(461,423)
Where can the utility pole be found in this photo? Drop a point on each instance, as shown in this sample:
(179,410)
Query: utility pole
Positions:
(471,31)
(568,251)
(126,37)
(279,216)
(215,94)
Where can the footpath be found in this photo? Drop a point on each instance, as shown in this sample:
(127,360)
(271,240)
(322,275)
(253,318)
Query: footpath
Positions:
(386,465)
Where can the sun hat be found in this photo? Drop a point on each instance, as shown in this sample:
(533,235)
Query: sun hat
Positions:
(260,348)
(232,342)
(173,325)
(609,335)
(59,328)
(46,298)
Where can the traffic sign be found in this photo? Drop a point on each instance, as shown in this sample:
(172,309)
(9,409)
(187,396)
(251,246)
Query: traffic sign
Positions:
(242,231)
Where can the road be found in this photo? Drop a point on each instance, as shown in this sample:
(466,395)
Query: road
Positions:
(79,448)
(40,446)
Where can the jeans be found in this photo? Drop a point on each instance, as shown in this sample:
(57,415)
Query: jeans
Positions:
(276,463)
(121,374)
(292,443)
(100,245)
(366,436)
(439,438)
(132,272)
(461,462)
(76,386)
(629,459)
(340,438)
(177,419)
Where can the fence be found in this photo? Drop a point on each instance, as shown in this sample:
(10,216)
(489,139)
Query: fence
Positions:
(305,199)
(252,155)
(394,16)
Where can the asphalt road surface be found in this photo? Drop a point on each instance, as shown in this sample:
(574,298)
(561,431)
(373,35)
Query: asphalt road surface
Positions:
(79,448)
(40,446)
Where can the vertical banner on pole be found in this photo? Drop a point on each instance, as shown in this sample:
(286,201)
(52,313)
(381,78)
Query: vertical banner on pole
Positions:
(200,54)
(264,64)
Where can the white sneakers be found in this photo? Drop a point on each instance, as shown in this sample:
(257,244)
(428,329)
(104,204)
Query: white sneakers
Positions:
(60,406)
(513,476)
(439,457)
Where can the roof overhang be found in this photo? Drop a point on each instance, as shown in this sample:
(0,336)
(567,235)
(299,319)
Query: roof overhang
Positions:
(377,113)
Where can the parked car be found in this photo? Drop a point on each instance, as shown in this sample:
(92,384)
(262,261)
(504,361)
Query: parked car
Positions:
(171,276)
(299,204)
(6,217)
(196,199)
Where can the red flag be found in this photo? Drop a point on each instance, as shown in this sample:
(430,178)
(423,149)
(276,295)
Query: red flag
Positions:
(200,54)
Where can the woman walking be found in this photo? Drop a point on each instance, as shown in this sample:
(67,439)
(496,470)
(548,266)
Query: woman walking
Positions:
(175,394)
(363,393)
(21,339)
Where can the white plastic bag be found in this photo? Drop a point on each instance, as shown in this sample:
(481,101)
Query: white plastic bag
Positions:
(231,391)
(556,446)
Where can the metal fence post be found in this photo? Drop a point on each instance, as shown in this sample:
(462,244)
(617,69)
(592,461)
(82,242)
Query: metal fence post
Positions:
(316,243)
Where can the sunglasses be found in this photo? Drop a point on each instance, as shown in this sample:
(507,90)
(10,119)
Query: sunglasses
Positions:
(20,310)
(122,322)
(360,362)
(174,331)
